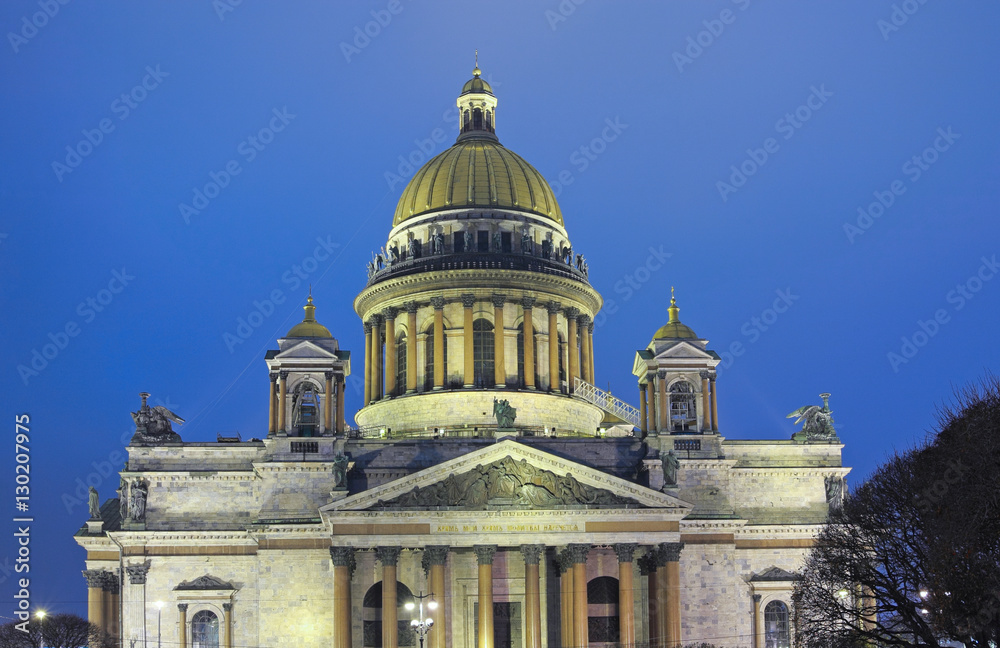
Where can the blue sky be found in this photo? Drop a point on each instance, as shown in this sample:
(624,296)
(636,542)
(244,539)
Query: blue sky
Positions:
(747,136)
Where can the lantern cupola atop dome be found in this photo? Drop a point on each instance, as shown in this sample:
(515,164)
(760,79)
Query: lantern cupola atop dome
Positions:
(477,107)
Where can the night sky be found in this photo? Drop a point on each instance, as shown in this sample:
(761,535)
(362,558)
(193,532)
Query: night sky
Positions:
(818,180)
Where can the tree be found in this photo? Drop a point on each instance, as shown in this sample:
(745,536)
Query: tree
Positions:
(913,557)
(55,631)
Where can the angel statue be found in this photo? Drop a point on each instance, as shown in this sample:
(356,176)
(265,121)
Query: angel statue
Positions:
(152,424)
(504,412)
(817,422)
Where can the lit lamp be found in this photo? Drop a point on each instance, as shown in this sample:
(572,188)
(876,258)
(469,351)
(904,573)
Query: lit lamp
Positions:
(40,615)
(421,625)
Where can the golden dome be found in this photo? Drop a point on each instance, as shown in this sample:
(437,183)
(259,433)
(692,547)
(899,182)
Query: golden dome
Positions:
(673,329)
(476,84)
(477,173)
(309,327)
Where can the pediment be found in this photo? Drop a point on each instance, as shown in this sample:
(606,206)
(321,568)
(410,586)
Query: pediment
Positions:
(686,350)
(507,475)
(775,574)
(306,349)
(206,582)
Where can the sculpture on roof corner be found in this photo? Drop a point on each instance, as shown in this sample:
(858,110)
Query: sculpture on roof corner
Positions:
(152,424)
(505,413)
(817,422)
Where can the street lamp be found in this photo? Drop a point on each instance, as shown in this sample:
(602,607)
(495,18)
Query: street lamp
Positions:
(159,614)
(421,625)
(40,615)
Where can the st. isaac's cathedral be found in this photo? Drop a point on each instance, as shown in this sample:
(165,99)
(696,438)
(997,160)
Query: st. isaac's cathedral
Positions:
(487,485)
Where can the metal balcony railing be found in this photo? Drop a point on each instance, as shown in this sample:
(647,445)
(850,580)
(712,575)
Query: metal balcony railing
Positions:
(606,401)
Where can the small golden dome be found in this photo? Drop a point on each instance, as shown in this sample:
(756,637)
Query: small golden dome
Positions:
(673,329)
(309,327)
(477,173)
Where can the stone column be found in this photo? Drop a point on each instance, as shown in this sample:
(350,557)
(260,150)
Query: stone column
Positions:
(389,557)
(573,348)
(532,600)
(343,567)
(756,625)
(182,623)
(565,599)
(272,405)
(590,342)
(328,403)
(647,567)
(411,349)
(553,309)
(282,397)
(715,404)
(340,403)
(499,364)
(583,325)
(662,594)
(95,596)
(528,331)
(642,409)
(485,553)
(435,558)
(109,590)
(651,403)
(391,389)
(706,404)
(368,363)
(377,349)
(661,383)
(439,369)
(227,621)
(468,371)
(626,597)
(672,555)
(135,603)
(578,558)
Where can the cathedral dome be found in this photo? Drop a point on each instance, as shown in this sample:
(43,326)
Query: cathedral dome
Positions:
(477,173)
(674,329)
(309,327)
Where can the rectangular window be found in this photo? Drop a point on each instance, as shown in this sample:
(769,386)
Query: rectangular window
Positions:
(458,242)
(505,243)
(305,447)
(483,241)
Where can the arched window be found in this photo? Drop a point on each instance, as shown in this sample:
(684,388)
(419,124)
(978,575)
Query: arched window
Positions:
(602,610)
(401,363)
(305,409)
(477,119)
(776,634)
(205,630)
(683,411)
(372,616)
(429,360)
(482,353)
(489,120)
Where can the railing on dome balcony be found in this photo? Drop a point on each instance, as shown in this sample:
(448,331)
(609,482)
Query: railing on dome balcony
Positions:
(479,261)
(606,401)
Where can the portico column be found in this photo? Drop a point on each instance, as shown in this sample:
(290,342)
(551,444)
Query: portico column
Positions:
(573,348)
(528,332)
(499,366)
(389,557)
(647,567)
(109,590)
(282,397)
(662,595)
(715,404)
(578,557)
(343,566)
(272,403)
(434,561)
(340,403)
(590,343)
(565,599)
(672,555)
(375,359)
(756,625)
(390,351)
(661,383)
(642,409)
(553,309)
(532,600)
(583,325)
(651,403)
(485,553)
(368,363)
(439,368)
(182,622)
(227,620)
(411,349)
(328,403)
(468,370)
(626,597)
(706,404)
